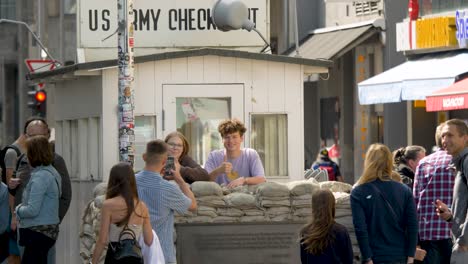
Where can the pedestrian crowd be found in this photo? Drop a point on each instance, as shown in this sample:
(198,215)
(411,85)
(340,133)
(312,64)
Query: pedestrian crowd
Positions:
(406,207)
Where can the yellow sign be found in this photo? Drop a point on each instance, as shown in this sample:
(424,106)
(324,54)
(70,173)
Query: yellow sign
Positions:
(419,104)
(436,32)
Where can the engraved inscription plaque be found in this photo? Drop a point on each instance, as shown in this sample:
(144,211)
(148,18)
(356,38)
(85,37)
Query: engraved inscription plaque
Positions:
(249,243)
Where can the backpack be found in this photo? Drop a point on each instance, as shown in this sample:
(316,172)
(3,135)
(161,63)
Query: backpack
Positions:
(2,159)
(328,167)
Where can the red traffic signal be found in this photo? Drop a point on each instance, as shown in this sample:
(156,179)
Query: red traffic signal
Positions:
(40,96)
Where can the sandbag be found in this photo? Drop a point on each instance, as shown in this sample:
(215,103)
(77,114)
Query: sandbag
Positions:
(336,186)
(240,200)
(206,188)
(272,189)
(298,188)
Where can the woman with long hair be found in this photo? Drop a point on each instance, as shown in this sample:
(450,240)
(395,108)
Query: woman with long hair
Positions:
(38,213)
(322,239)
(121,210)
(406,161)
(384,213)
(179,148)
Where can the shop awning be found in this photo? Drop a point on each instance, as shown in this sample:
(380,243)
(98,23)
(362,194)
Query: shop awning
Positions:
(454,97)
(414,79)
(332,42)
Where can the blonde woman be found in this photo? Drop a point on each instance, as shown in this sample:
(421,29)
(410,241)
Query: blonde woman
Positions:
(384,213)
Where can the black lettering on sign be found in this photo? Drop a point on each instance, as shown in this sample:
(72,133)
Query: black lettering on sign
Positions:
(95,20)
(191,19)
(210,20)
(201,17)
(253,15)
(182,19)
(145,19)
(155,17)
(172,18)
(105,18)
(93,23)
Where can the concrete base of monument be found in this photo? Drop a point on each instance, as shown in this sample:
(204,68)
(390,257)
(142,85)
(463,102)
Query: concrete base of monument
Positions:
(232,243)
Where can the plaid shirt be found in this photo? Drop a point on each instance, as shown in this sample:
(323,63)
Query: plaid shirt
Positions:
(434,179)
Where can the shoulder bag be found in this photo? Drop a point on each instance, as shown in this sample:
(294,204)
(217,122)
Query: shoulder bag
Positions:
(127,248)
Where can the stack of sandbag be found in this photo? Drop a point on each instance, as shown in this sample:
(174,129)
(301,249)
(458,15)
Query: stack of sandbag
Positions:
(274,197)
(246,203)
(301,198)
(343,215)
(209,196)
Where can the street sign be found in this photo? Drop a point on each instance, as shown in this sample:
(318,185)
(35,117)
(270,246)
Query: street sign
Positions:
(36,66)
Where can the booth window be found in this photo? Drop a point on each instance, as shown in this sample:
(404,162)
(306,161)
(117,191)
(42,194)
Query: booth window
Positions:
(269,137)
(198,119)
(145,131)
(79,141)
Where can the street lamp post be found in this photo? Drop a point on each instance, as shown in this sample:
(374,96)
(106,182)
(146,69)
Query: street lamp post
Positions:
(125,82)
(58,64)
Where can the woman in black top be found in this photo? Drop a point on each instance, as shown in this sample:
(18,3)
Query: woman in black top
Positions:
(323,240)
(190,170)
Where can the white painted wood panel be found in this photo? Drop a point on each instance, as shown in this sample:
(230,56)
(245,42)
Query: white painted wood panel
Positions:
(162,74)
(295,108)
(144,88)
(195,68)
(94,148)
(66,143)
(259,86)
(179,70)
(227,69)
(276,86)
(82,147)
(211,69)
(109,121)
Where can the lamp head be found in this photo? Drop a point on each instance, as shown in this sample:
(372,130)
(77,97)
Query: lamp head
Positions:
(231,15)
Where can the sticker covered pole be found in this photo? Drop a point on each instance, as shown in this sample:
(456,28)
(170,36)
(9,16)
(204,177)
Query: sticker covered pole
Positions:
(125,83)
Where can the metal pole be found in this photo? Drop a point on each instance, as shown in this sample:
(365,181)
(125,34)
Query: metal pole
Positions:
(296,29)
(35,37)
(125,83)
(39,23)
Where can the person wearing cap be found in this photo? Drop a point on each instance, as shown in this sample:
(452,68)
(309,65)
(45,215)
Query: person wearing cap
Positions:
(324,162)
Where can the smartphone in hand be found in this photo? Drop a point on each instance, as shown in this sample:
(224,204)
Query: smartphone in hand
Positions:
(169,166)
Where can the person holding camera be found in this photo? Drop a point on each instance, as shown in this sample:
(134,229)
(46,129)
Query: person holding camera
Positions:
(179,148)
(162,197)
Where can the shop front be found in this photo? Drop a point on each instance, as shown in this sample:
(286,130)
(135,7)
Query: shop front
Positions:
(436,59)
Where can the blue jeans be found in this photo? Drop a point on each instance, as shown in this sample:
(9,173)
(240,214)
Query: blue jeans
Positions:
(437,251)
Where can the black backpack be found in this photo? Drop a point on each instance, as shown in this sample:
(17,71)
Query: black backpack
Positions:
(2,159)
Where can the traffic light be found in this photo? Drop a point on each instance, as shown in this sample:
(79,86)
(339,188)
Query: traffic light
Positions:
(37,101)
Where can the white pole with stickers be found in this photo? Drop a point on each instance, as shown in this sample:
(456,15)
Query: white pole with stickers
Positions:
(125,83)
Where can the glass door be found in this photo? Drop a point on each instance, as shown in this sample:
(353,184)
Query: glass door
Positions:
(196,110)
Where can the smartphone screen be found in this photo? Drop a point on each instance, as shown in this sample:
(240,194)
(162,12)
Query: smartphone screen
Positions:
(169,166)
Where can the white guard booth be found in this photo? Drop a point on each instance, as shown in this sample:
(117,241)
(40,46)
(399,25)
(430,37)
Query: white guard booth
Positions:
(189,91)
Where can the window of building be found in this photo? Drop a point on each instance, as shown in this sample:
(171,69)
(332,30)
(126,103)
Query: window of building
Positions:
(367,7)
(69,7)
(78,141)
(269,137)
(145,131)
(7,9)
